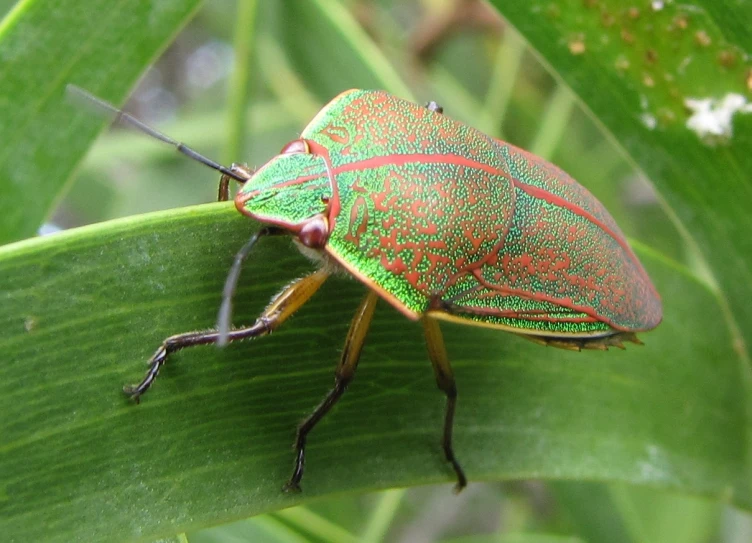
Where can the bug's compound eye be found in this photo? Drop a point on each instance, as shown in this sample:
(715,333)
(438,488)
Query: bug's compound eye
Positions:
(296,146)
(315,232)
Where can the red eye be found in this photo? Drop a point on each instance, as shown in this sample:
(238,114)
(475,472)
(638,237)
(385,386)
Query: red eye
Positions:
(296,146)
(315,232)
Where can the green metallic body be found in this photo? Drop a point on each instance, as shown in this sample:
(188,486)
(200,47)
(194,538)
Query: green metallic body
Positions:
(440,220)
(436,216)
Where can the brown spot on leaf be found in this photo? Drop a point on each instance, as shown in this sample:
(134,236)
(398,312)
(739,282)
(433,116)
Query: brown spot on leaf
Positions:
(727,59)
(622,63)
(702,39)
(553,11)
(681,22)
(666,115)
(577,44)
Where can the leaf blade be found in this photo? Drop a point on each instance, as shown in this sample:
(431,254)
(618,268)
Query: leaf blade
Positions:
(100,46)
(210,443)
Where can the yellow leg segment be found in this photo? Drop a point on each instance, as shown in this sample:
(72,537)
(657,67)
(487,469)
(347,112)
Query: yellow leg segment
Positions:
(445,381)
(344,373)
(279,309)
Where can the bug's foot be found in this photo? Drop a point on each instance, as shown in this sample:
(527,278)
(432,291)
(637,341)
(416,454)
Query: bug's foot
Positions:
(155,363)
(292,487)
(461,479)
(459,485)
(133,392)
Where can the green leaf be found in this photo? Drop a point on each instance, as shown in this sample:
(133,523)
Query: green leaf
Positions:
(516,538)
(665,517)
(82,310)
(339,41)
(100,45)
(634,67)
(623,514)
(590,507)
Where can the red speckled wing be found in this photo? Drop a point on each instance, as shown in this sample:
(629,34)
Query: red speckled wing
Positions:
(563,247)
(427,208)
(415,228)
(565,265)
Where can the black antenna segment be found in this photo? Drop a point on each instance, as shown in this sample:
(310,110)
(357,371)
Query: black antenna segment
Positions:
(80,96)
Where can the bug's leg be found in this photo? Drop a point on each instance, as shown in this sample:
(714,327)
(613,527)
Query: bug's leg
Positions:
(223,194)
(433,106)
(445,381)
(282,306)
(345,372)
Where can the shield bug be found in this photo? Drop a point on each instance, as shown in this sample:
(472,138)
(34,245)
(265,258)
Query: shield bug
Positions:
(441,221)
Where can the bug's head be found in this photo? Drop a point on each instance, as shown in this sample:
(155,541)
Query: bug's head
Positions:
(291,191)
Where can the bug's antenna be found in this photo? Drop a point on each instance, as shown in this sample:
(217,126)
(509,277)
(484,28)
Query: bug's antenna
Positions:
(82,97)
(224,316)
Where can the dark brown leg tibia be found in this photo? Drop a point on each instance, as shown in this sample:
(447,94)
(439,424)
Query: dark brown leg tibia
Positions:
(345,372)
(282,306)
(223,193)
(445,381)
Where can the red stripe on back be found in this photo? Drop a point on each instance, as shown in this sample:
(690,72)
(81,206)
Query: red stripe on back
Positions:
(553,199)
(535,192)
(424,158)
